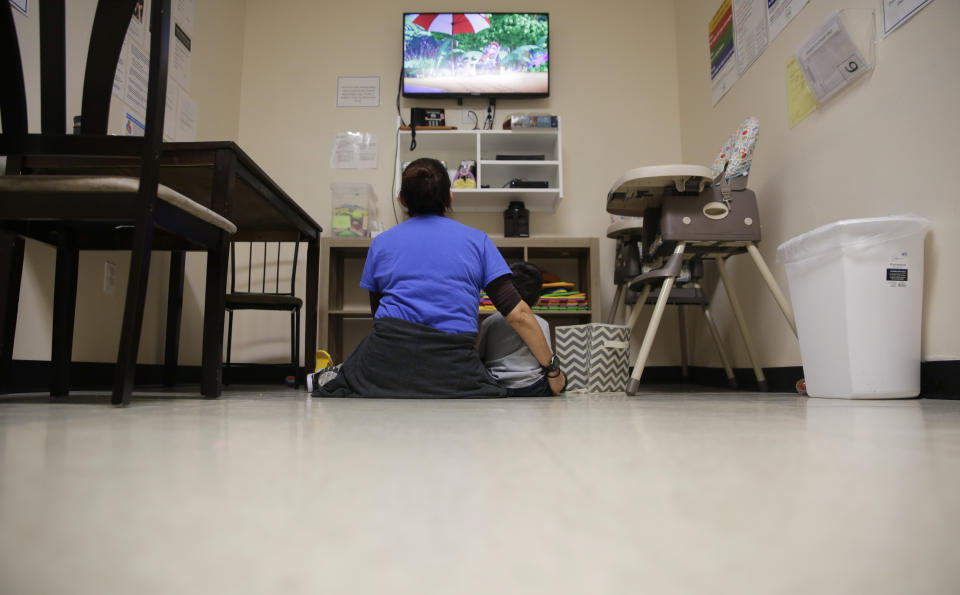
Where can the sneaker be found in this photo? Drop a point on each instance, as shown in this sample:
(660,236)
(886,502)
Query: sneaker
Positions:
(318,379)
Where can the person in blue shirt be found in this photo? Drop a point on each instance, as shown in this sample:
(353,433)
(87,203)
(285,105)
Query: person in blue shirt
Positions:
(424,277)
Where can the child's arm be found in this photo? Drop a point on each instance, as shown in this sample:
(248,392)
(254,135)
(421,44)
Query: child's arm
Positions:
(505,297)
(522,320)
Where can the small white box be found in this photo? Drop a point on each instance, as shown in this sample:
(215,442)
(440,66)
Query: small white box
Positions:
(594,357)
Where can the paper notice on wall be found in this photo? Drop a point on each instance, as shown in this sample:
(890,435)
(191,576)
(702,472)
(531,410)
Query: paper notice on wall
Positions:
(800,99)
(358,91)
(354,150)
(132,126)
(136,29)
(723,73)
(180,63)
(186,117)
(898,12)
(120,75)
(749,31)
(830,60)
(138,66)
(183,13)
(170,112)
(780,13)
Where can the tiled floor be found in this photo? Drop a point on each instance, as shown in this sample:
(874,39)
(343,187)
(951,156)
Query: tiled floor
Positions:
(668,492)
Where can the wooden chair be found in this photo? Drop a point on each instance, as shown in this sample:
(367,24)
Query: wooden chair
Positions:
(83,212)
(268,296)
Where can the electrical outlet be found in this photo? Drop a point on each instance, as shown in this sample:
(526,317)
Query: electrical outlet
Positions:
(466,117)
(109,277)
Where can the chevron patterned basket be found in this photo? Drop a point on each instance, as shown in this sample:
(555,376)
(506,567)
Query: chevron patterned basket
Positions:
(594,357)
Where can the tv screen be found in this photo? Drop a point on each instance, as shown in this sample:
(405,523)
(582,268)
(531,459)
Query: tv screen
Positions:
(476,54)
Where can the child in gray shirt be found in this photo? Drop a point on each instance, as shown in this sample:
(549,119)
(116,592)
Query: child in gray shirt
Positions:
(502,350)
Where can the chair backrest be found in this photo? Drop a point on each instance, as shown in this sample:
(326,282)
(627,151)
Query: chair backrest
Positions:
(109,28)
(264,267)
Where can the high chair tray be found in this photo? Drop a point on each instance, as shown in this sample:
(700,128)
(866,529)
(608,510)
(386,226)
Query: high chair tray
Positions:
(642,188)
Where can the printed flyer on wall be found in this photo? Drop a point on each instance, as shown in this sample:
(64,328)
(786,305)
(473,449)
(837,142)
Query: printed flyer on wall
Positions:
(723,72)
(780,13)
(898,12)
(749,31)
(132,126)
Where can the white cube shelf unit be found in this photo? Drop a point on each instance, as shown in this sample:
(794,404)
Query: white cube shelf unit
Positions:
(483,147)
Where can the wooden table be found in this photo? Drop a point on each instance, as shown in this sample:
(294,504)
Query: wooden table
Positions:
(221,176)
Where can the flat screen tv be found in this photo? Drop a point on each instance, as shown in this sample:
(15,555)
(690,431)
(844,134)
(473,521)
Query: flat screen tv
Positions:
(498,54)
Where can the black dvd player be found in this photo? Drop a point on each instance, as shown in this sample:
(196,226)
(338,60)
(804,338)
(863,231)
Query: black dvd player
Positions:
(521,157)
(528,184)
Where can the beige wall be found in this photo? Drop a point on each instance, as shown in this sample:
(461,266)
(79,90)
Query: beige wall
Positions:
(215,85)
(631,88)
(887,145)
(613,82)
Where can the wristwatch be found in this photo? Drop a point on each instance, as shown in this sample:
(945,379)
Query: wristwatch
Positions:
(551,367)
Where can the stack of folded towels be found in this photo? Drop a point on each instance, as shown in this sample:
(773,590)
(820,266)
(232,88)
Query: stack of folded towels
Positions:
(562,296)
(556,296)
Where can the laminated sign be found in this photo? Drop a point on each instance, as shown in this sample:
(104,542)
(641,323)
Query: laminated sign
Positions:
(594,357)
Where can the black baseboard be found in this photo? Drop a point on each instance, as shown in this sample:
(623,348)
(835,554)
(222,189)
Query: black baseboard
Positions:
(780,380)
(29,376)
(938,380)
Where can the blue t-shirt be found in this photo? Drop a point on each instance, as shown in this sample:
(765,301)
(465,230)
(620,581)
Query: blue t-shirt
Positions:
(430,270)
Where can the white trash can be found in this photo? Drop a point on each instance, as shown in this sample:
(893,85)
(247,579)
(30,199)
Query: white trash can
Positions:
(857,293)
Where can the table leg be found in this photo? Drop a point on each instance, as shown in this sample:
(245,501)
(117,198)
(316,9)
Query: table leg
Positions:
(64,315)
(221,201)
(213,313)
(313,293)
(11,270)
(174,317)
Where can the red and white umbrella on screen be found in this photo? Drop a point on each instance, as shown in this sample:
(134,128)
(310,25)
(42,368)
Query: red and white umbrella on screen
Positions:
(452,24)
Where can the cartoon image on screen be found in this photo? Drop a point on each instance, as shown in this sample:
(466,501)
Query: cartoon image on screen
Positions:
(497,54)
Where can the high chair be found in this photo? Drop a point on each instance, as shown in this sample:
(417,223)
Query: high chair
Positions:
(690,215)
(686,292)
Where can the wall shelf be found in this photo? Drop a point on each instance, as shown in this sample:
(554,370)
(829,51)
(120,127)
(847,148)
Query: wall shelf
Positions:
(483,147)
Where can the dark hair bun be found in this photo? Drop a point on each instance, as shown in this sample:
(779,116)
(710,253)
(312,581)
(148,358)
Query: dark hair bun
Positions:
(425,187)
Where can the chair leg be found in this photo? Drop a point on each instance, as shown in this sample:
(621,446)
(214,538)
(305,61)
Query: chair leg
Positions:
(133,314)
(742,323)
(633,385)
(64,315)
(774,286)
(682,330)
(226,369)
(635,311)
(617,298)
(11,270)
(213,310)
(715,333)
